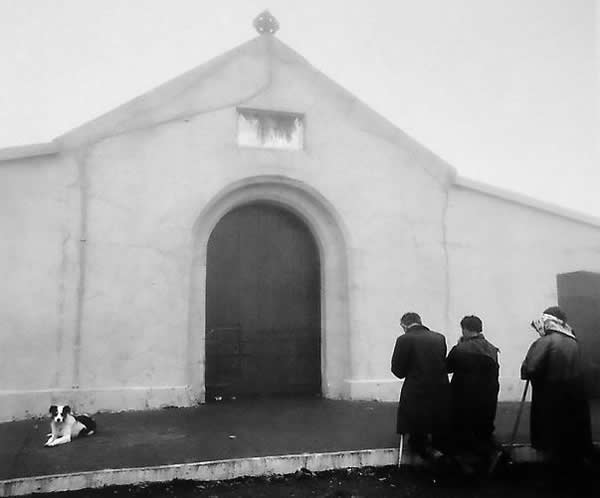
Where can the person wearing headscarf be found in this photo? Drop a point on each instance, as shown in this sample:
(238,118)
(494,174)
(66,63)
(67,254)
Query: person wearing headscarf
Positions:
(474,390)
(560,415)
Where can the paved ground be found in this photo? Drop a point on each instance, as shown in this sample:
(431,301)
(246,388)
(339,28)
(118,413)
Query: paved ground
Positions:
(216,431)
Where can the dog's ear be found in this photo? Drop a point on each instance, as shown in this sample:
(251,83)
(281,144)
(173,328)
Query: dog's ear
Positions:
(66,409)
(53,409)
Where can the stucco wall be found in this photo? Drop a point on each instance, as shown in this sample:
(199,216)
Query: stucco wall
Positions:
(38,264)
(503,261)
(147,188)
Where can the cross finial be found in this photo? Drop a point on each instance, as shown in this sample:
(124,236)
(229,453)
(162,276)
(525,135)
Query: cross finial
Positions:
(265,23)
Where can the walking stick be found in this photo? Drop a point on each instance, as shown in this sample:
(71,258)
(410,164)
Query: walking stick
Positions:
(519,413)
(495,459)
(400,449)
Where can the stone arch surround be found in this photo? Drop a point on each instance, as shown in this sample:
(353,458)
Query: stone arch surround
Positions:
(324,223)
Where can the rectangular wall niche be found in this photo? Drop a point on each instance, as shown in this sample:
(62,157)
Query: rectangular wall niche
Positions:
(270,129)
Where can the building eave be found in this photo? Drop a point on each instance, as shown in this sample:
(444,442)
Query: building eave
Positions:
(29,150)
(526,201)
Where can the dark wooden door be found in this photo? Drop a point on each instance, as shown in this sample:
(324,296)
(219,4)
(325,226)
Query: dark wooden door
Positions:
(579,297)
(263,317)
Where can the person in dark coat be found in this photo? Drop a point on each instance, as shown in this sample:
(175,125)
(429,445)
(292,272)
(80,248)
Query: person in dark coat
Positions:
(474,390)
(560,415)
(420,358)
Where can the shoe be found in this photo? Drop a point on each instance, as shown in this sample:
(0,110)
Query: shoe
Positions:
(436,455)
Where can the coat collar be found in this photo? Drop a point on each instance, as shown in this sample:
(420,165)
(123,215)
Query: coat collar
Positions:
(417,328)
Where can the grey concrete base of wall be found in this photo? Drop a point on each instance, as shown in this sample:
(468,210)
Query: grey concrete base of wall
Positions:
(16,405)
(217,470)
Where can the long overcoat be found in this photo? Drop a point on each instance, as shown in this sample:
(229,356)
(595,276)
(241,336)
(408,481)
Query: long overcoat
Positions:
(474,388)
(560,415)
(420,358)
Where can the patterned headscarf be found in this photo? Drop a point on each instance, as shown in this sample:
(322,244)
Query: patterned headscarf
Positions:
(547,323)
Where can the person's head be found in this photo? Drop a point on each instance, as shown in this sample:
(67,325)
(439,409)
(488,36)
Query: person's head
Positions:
(471,325)
(553,319)
(556,312)
(410,319)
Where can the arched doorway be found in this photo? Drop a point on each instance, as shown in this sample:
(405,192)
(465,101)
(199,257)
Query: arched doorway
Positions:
(263,305)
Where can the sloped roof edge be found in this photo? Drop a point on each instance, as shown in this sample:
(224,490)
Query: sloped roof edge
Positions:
(381,126)
(102,125)
(524,200)
(270,46)
(29,150)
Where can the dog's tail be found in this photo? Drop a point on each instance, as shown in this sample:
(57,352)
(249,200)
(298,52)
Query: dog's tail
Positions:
(88,422)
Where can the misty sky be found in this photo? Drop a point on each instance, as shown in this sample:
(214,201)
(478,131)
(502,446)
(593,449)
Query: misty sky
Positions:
(507,91)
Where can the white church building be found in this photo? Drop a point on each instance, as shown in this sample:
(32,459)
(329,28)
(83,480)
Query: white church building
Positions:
(250,228)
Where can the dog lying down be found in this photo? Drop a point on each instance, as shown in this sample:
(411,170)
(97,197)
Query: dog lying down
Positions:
(66,426)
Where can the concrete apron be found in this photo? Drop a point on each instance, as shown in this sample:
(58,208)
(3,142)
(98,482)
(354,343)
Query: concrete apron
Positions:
(218,470)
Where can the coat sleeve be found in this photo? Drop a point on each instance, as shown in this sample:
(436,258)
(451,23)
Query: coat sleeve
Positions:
(400,358)
(535,362)
(451,360)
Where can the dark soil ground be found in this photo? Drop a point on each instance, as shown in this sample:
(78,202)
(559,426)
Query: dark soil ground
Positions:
(523,481)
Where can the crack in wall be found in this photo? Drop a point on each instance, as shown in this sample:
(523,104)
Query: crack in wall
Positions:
(81,157)
(61,306)
(446,258)
(186,116)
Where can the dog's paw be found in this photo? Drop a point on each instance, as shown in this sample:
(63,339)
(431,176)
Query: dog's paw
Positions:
(51,441)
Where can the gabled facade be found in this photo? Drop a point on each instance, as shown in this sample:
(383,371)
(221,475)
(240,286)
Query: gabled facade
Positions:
(175,247)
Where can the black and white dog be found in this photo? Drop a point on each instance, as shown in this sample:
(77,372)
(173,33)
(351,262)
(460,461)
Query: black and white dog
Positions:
(66,426)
